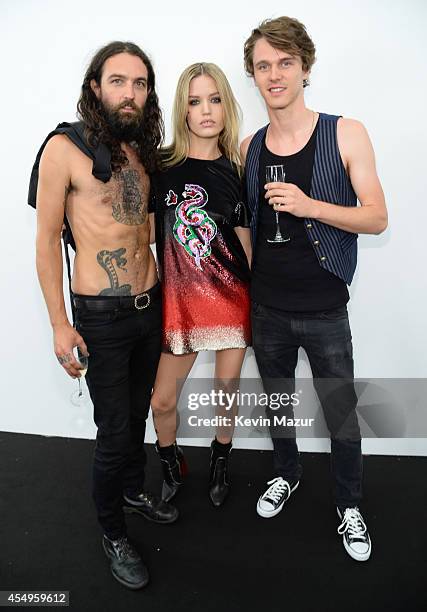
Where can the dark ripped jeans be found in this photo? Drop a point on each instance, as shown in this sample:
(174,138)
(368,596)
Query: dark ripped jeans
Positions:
(124,351)
(326,338)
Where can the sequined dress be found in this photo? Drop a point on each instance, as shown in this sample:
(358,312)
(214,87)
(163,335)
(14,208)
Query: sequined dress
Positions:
(202,265)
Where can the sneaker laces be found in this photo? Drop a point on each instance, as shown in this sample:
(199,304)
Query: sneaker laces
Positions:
(352,522)
(278,487)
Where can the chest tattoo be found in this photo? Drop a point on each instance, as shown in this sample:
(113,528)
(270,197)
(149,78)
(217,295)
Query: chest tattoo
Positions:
(129,204)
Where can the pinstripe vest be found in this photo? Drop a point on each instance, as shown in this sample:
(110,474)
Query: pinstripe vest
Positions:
(336,249)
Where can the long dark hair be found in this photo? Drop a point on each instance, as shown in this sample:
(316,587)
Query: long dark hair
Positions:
(89,110)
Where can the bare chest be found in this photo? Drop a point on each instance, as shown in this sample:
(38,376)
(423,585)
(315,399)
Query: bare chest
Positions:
(124,199)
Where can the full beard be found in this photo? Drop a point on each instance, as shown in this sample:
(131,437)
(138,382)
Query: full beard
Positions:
(125,127)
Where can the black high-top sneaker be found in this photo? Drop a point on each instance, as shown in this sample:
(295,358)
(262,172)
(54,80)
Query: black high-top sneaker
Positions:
(272,501)
(354,533)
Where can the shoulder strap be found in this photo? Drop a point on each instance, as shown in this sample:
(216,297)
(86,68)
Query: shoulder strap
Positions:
(68,240)
(100,155)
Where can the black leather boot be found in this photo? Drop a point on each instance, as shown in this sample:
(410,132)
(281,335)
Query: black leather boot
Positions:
(126,564)
(219,486)
(150,507)
(174,469)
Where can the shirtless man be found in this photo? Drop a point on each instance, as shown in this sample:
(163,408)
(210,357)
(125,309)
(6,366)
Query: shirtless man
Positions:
(305,256)
(115,290)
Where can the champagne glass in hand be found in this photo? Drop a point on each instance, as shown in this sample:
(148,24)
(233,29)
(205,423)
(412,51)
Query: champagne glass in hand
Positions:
(276,174)
(79,397)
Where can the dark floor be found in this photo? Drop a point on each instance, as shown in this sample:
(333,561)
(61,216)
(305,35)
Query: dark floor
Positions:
(221,560)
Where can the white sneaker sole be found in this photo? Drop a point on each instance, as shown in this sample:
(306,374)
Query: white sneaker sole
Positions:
(266,513)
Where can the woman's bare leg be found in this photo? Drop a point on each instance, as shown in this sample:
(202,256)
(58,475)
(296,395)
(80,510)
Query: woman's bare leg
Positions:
(228,366)
(164,399)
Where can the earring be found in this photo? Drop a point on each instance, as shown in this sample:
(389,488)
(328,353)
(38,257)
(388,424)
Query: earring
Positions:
(305,83)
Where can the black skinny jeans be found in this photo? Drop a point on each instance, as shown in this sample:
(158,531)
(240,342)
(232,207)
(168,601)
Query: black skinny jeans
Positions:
(326,338)
(124,351)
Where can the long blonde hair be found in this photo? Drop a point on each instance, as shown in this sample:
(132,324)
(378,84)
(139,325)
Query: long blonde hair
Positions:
(228,141)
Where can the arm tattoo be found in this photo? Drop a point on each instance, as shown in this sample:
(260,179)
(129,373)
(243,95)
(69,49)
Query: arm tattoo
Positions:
(105,260)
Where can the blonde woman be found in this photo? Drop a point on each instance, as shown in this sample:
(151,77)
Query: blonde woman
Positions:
(203,248)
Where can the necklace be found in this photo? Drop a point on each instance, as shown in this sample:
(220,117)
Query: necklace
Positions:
(312,123)
(311,129)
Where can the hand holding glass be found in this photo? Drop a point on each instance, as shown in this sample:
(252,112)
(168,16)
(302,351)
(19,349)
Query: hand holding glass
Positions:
(276,174)
(79,397)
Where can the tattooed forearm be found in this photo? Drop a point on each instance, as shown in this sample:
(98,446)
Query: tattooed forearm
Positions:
(130,207)
(105,260)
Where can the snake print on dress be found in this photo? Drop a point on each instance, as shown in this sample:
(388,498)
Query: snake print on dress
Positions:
(193,228)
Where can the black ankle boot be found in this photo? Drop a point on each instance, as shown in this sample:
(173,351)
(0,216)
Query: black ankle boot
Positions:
(125,563)
(174,468)
(219,486)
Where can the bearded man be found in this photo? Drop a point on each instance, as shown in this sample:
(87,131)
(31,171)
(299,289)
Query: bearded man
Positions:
(114,287)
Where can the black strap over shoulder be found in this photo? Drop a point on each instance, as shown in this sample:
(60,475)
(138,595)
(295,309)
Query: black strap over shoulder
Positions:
(100,155)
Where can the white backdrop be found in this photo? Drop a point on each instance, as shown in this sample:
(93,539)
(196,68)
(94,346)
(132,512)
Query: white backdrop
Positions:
(370,66)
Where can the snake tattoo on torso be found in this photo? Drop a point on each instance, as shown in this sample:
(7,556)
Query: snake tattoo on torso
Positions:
(105,259)
(193,228)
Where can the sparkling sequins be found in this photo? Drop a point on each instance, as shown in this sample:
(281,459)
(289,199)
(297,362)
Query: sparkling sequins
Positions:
(204,270)
(205,339)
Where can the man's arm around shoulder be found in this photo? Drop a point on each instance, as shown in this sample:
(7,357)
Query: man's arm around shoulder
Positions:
(53,186)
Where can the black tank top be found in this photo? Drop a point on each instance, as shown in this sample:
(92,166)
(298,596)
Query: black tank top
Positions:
(288,275)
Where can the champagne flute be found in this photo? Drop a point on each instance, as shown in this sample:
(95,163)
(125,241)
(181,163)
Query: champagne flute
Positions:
(79,396)
(276,174)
